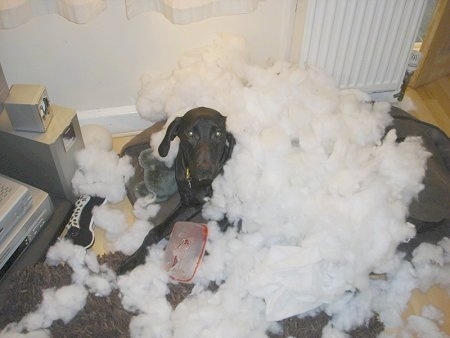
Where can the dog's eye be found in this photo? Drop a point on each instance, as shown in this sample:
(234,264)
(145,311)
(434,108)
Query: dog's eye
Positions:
(190,133)
(218,133)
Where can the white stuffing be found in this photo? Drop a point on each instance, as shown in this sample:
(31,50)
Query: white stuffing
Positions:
(119,234)
(145,207)
(426,325)
(95,135)
(63,303)
(101,173)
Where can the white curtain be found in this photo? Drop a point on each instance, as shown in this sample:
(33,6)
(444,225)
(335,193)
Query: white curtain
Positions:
(16,12)
(187,11)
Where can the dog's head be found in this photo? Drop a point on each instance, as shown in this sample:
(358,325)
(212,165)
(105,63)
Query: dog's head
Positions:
(205,145)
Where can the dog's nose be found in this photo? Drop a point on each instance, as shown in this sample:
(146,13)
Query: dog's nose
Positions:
(205,173)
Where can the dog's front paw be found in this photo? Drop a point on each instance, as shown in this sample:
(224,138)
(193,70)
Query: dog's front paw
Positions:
(131,262)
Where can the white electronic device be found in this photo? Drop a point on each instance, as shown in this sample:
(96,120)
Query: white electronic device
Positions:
(27,227)
(15,201)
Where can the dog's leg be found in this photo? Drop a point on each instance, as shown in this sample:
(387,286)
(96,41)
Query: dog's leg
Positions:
(181,213)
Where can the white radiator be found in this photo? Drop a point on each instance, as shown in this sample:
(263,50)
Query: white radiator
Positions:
(362,44)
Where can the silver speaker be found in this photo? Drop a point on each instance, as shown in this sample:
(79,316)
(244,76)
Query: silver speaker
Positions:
(28,107)
(44,160)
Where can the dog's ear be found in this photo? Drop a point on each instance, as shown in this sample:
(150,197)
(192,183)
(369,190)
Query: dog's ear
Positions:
(171,133)
(231,141)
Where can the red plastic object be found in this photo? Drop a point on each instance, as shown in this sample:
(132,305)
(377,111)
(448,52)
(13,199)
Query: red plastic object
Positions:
(185,250)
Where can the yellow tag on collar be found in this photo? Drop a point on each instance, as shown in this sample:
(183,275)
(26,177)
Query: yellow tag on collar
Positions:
(188,177)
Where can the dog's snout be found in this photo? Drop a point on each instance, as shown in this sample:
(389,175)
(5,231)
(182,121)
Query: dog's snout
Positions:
(205,170)
(204,167)
(205,174)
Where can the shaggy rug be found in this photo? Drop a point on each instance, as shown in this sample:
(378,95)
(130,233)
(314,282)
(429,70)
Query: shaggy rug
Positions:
(106,317)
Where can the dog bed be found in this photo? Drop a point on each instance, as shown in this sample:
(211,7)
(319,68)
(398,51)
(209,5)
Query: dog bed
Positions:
(430,213)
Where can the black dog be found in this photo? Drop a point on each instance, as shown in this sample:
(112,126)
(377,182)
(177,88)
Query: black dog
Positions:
(205,146)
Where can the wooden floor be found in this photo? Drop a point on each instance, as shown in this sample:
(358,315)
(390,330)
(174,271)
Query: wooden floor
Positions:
(432,103)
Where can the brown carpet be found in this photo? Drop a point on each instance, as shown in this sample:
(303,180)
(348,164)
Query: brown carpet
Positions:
(105,316)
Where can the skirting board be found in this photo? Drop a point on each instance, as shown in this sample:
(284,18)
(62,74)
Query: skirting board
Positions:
(125,120)
(119,121)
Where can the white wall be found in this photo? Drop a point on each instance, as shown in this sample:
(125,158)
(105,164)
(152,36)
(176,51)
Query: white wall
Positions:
(99,64)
